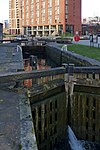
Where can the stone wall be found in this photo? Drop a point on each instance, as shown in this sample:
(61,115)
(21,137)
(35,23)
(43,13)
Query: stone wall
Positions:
(85,112)
(59,57)
(38,51)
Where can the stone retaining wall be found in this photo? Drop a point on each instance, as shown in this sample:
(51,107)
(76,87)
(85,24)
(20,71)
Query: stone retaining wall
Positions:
(58,56)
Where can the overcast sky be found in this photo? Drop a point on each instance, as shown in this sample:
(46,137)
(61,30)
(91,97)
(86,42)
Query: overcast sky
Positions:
(90,8)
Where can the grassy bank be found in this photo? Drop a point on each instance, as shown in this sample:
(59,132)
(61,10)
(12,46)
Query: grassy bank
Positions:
(88,51)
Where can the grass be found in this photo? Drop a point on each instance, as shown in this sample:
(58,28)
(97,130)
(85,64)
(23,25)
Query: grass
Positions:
(88,51)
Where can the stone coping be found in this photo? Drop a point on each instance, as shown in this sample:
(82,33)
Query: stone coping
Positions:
(28,139)
(91,61)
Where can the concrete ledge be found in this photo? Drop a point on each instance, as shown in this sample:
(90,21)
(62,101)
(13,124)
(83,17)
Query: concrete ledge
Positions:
(28,139)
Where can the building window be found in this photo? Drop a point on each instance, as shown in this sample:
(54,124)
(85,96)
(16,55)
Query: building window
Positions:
(32,1)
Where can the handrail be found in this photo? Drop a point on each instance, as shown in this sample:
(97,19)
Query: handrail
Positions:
(88,69)
(10,77)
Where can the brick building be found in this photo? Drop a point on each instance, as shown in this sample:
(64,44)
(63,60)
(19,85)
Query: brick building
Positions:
(15,16)
(74,16)
(45,17)
(51,17)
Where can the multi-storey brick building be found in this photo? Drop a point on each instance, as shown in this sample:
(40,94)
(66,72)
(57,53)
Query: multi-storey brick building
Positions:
(15,16)
(74,16)
(45,17)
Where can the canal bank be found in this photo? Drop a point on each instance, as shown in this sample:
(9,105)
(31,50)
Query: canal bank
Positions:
(16,128)
(49,102)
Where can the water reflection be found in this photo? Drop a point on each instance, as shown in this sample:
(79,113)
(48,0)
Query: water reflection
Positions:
(42,64)
(39,64)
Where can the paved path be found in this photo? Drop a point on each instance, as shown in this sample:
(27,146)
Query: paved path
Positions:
(9,120)
(10,58)
(15,124)
(85,42)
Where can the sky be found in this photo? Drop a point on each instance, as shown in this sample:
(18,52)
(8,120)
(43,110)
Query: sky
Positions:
(4,10)
(90,8)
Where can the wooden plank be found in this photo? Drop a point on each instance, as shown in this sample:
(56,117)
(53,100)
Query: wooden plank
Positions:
(8,77)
